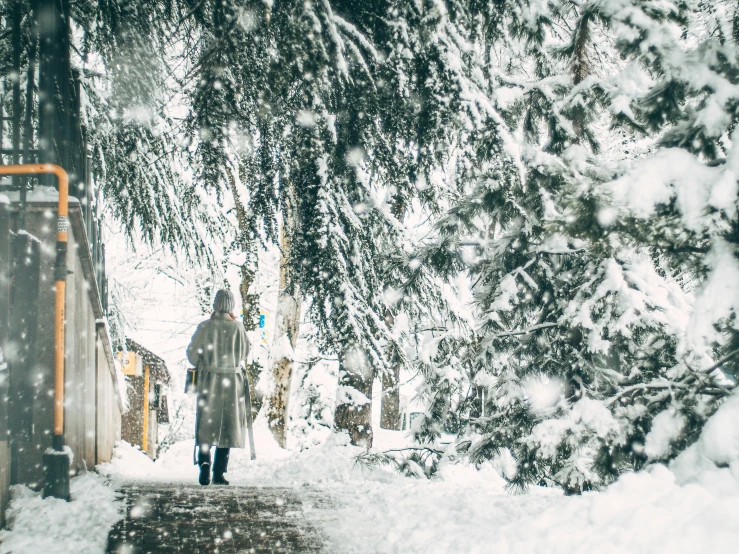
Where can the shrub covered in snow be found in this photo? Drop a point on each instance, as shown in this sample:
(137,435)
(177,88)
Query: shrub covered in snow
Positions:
(612,282)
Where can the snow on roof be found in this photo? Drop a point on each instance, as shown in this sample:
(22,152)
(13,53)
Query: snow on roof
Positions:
(157,366)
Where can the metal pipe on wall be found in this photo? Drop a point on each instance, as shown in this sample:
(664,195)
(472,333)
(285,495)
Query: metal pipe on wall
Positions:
(60,279)
(56,462)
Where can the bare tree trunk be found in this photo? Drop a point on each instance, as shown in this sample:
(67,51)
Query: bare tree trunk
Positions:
(390,399)
(287,326)
(581,67)
(249,302)
(250,309)
(354,402)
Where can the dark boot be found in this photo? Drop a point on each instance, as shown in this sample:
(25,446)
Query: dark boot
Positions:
(220,480)
(204,463)
(204,478)
(220,465)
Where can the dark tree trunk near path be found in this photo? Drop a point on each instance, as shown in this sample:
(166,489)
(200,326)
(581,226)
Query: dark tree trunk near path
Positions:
(249,302)
(390,399)
(353,414)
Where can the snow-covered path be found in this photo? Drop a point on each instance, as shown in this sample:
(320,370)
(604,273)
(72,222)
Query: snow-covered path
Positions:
(345,508)
(354,509)
(177,518)
(686,509)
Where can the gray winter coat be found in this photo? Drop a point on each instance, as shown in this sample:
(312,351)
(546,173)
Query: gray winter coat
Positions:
(217,349)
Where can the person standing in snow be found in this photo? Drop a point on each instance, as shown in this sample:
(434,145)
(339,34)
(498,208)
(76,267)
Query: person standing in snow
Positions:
(217,349)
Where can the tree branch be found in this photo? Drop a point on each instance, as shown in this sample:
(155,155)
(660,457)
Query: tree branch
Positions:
(527,331)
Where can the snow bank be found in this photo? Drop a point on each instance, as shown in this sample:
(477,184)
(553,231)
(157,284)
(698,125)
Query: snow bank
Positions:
(331,463)
(713,461)
(54,526)
(462,510)
(687,507)
(128,461)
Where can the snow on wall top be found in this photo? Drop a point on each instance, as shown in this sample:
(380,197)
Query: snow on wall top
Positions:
(37,194)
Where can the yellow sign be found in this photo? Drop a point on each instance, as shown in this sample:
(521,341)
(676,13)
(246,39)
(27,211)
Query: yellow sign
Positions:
(128,363)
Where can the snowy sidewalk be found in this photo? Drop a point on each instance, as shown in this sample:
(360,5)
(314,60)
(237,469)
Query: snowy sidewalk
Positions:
(173,518)
(322,500)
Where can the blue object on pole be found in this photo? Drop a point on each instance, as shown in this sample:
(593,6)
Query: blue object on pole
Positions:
(261,321)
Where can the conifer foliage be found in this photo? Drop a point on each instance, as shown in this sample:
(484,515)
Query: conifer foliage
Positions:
(575,164)
(595,348)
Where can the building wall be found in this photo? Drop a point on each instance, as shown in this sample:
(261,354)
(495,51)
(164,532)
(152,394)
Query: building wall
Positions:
(93,404)
(152,442)
(133,420)
(40,222)
(4,479)
(80,377)
(108,418)
(4,328)
(132,427)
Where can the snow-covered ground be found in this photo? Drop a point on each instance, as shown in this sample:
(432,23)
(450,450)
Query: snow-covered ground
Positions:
(687,508)
(53,526)
(690,507)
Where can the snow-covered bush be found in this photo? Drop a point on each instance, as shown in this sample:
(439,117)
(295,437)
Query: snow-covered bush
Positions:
(611,284)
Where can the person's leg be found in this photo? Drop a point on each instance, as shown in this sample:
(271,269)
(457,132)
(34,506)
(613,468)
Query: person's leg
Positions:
(204,463)
(203,454)
(220,465)
(220,461)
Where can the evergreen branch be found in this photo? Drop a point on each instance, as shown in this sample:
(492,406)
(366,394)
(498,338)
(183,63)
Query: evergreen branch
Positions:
(644,386)
(415,448)
(191,12)
(721,361)
(562,252)
(526,331)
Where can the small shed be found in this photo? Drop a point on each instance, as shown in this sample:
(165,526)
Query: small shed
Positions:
(147,380)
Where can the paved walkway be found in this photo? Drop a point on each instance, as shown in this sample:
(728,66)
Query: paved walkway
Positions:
(172,518)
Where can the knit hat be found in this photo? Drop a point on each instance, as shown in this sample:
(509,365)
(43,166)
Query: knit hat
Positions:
(224,301)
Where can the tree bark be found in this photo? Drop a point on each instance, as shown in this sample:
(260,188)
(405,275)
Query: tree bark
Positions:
(250,309)
(581,68)
(390,399)
(354,404)
(249,302)
(287,326)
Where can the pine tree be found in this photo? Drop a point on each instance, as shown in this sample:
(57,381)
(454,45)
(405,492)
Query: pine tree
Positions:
(566,304)
(691,107)
(120,53)
(306,106)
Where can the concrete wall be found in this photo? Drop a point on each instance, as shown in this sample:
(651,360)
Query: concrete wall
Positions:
(4,479)
(108,420)
(40,222)
(80,377)
(93,405)
(4,328)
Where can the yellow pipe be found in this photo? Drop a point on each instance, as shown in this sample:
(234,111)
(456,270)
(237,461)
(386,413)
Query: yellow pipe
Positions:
(145,439)
(60,278)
